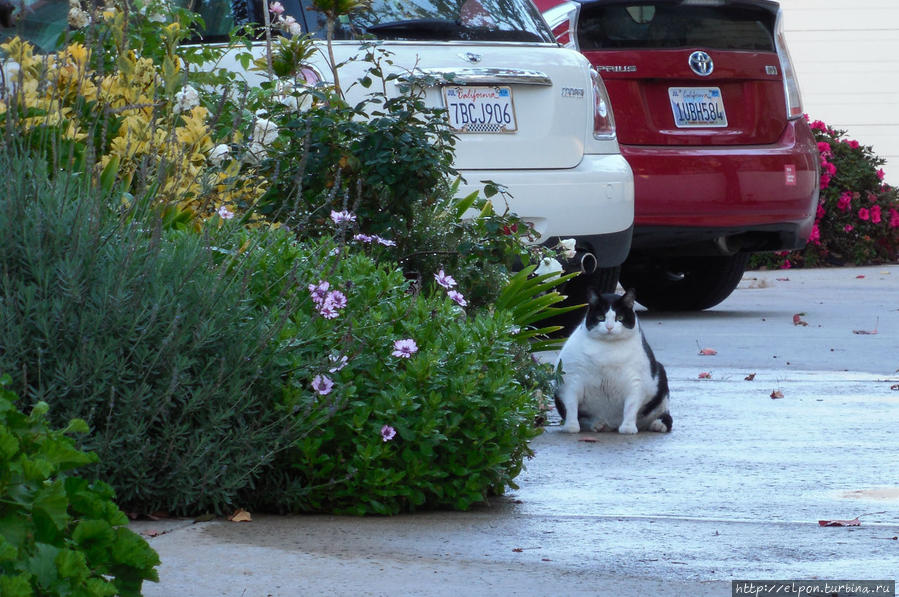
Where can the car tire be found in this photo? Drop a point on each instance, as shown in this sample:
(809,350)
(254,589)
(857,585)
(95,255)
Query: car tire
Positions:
(686,283)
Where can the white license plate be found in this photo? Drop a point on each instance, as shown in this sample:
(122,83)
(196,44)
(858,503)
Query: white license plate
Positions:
(697,107)
(475,109)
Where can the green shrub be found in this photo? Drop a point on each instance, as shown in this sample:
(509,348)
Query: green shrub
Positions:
(147,335)
(59,534)
(462,405)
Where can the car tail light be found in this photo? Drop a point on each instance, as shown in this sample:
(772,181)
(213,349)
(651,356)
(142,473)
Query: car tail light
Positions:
(562,19)
(791,84)
(603,118)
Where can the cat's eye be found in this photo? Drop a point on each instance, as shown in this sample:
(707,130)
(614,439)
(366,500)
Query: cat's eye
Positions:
(619,318)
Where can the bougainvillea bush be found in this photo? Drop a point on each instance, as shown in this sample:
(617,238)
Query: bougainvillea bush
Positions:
(857,220)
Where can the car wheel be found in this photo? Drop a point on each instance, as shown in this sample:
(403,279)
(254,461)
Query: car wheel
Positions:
(686,283)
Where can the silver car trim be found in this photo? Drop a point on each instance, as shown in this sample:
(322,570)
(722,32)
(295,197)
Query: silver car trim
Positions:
(467,75)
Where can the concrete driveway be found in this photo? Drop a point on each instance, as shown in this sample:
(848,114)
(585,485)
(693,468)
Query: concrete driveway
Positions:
(734,492)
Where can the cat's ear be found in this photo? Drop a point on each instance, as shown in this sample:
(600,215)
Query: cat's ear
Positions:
(592,296)
(628,299)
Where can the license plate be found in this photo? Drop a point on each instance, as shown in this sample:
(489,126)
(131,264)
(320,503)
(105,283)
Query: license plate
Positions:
(697,107)
(475,109)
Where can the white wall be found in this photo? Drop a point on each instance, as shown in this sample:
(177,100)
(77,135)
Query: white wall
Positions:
(846,56)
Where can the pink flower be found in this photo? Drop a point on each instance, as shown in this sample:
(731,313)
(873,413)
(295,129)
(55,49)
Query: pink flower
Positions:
(875,214)
(457,297)
(818,125)
(387,433)
(364,238)
(815,236)
(863,214)
(848,227)
(276,8)
(319,291)
(383,241)
(786,264)
(825,180)
(852,144)
(340,217)
(322,384)
(831,168)
(894,218)
(330,306)
(444,280)
(880,173)
(225,213)
(845,201)
(404,349)
(824,147)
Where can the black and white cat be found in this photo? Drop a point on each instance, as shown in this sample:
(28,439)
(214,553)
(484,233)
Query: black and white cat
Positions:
(611,378)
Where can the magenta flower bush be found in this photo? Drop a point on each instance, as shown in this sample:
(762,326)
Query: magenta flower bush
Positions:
(857,219)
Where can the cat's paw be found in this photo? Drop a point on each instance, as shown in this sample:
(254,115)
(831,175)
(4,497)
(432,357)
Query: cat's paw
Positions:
(627,429)
(659,426)
(573,427)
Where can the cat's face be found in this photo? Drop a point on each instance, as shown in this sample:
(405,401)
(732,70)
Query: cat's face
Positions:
(611,316)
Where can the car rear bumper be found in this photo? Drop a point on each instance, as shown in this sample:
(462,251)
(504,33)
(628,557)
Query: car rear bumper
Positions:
(771,188)
(592,202)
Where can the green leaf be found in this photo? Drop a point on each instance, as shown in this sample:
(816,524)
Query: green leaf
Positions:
(43,564)
(72,564)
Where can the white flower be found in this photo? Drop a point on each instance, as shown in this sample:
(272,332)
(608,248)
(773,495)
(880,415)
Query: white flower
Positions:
(186,99)
(276,7)
(218,154)
(264,131)
(156,11)
(568,246)
(224,213)
(340,217)
(548,265)
(287,95)
(78,18)
(9,76)
(291,25)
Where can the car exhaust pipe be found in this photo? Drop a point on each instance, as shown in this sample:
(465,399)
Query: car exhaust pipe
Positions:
(587,261)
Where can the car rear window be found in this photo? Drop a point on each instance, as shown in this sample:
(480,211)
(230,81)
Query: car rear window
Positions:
(669,25)
(439,20)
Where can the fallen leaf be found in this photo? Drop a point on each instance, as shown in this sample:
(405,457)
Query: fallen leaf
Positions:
(749,377)
(797,319)
(860,276)
(867,332)
(855,522)
(589,440)
(517,549)
(776,394)
(546,559)
(783,279)
(708,352)
(240,515)
(705,375)
(894,386)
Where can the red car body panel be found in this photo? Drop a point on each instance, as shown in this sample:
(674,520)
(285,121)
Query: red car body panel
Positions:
(757,173)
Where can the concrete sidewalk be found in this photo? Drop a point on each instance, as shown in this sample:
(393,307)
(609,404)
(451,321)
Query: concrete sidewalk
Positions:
(734,492)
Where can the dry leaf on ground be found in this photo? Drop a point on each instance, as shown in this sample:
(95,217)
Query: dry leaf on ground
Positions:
(705,375)
(776,394)
(797,319)
(855,522)
(749,377)
(240,515)
(708,352)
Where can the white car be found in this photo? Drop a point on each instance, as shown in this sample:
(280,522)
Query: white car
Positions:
(529,114)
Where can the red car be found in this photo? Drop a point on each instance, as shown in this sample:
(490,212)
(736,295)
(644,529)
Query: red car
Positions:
(709,117)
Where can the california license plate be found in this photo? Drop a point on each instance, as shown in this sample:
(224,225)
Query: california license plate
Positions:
(476,109)
(697,107)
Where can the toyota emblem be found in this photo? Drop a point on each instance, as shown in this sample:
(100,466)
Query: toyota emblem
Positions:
(701,64)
